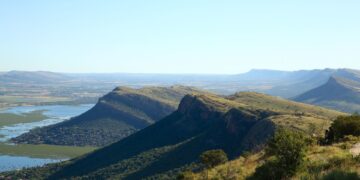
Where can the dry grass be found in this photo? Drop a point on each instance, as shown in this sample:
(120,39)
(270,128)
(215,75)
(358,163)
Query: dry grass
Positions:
(236,169)
(320,160)
(314,126)
(266,102)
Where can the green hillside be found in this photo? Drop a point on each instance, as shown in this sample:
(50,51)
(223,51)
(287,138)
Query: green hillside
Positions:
(334,161)
(238,123)
(116,115)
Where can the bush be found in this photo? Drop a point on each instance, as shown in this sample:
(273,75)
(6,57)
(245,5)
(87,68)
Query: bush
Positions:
(288,149)
(213,158)
(338,174)
(187,175)
(343,126)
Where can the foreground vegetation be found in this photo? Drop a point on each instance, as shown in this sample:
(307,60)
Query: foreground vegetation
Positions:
(320,162)
(293,155)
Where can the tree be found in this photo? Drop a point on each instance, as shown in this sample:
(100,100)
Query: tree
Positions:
(287,149)
(213,158)
(343,126)
(186,175)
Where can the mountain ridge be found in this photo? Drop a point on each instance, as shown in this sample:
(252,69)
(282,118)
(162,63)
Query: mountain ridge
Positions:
(116,115)
(202,122)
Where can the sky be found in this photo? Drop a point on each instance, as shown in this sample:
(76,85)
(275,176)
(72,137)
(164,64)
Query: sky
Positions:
(178,36)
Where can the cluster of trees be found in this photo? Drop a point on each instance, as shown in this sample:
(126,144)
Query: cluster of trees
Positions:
(343,126)
(85,134)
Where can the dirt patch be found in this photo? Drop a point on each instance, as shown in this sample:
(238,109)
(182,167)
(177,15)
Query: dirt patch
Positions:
(355,150)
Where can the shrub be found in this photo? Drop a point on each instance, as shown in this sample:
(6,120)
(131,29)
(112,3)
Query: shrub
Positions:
(288,149)
(343,126)
(186,175)
(343,175)
(213,158)
(246,154)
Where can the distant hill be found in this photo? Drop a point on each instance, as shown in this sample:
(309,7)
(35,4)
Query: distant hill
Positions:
(116,115)
(236,123)
(33,77)
(286,84)
(289,84)
(341,93)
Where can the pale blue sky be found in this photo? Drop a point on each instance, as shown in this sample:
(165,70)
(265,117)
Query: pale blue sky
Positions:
(182,36)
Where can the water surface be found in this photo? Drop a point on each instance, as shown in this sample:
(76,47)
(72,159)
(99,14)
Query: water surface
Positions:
(8,163)
(56,114)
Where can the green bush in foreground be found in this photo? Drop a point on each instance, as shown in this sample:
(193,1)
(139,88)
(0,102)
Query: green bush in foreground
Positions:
(187,175)
(288,149)
(213,158)
(343,126)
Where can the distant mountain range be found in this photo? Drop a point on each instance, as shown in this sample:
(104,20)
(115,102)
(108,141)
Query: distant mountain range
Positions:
(33,77)
(287,84)
(117,115)
(236,123)
(126,110)
(278,83)
(156,132)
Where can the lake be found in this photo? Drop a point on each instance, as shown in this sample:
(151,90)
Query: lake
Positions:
(55,114)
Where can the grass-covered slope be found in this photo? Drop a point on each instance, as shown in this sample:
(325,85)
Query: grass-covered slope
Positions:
(115,116)
(338,93)
(331,162)
(202,122)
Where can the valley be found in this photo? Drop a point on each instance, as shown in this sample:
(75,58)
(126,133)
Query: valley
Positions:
(179,90)
(236,123)
(139,131)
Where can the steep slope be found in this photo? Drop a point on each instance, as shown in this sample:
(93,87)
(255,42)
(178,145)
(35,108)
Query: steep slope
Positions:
(204,121)
(117,115)
(338,93)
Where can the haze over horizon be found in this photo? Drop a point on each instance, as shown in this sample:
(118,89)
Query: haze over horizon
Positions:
(202,37)
(169,73)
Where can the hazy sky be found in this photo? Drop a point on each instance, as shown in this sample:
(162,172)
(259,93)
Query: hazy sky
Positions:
(178,36)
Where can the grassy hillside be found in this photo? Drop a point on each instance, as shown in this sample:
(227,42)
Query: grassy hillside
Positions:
(338,93)
(321,161)
(116,115)
(238,123)
(266,102)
